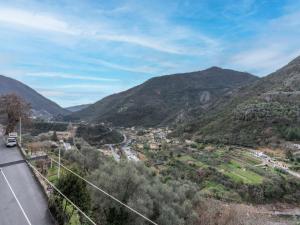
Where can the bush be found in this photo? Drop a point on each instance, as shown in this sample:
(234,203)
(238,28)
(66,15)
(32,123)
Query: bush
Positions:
(290,133)
(56,209)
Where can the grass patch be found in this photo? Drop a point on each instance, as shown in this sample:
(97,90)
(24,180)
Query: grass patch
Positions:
(251,159)
(239,173)
(190,160)
(52,174)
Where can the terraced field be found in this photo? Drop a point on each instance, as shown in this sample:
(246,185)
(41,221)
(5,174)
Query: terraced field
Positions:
(236,171)
(221,171)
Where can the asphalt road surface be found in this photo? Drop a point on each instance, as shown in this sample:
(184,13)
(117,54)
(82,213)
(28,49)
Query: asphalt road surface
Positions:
(22,201)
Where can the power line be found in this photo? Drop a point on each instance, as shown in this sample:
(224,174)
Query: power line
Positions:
(52,185)
(107,194)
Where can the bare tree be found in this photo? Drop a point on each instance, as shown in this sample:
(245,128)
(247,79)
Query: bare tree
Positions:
(15,109)
(35,147)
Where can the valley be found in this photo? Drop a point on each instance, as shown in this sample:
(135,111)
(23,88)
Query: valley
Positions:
(188,159)
(128,112)
(234,142)
(258,179)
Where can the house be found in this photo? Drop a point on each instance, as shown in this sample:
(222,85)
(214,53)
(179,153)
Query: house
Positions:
(67,146)
(140,146)
(62,135)
(154,146)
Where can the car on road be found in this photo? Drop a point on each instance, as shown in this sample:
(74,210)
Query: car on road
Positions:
(11,142)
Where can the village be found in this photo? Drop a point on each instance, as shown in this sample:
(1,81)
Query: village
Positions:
(135,142)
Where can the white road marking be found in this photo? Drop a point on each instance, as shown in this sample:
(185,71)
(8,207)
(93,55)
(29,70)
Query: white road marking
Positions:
(12,191)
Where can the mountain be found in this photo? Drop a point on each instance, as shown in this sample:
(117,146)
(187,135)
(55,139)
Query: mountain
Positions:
(77,107)
(265,112)
(41,106)
(166,99)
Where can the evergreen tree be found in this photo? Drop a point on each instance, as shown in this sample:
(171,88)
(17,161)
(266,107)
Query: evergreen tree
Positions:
(76,190)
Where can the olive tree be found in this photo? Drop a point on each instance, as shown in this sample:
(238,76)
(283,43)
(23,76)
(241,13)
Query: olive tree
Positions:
(76,190)
(138,187)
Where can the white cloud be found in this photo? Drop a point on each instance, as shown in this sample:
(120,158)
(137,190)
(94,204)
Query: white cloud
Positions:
(75,94)
(83,86)
(141,41)
(109,31)
(69,76)
(136,69)
(34,20)
(78,90)
(276,44)
(263,60)
(91,87)
(287,22)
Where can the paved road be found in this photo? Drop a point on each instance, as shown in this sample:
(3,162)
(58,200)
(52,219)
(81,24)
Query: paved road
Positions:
(130,154)
(267,160)
(22,201)
(114,152)
(124,145)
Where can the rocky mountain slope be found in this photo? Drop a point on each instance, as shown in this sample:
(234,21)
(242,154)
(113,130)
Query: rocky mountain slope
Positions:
(264,112)
(41,106)
(166,99)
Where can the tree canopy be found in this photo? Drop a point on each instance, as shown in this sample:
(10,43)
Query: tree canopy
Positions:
(15,109)
(76,190)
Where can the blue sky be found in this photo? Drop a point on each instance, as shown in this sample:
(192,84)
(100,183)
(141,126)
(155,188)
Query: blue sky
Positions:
(78,51)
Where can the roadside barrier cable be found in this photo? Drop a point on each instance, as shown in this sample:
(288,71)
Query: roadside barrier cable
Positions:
(104,192)
(52,185)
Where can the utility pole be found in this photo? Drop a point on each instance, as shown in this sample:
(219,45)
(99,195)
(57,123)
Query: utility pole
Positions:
(58,171)
(20,131)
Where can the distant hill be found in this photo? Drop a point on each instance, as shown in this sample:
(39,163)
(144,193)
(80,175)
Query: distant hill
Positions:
(77,107)
(41,106)
(264,112)
(166,99)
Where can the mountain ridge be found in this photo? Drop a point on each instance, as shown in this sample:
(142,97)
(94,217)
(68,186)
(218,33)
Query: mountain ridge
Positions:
(164,99)
(263,112)
(39,103)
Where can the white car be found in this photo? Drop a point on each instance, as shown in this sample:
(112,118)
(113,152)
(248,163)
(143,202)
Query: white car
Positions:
(11,142)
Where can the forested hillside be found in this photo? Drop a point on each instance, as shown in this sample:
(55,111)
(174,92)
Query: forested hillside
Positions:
(264,112)
(166,99)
